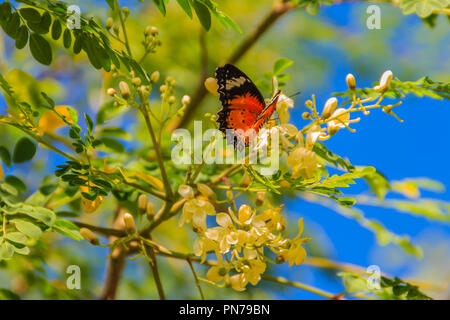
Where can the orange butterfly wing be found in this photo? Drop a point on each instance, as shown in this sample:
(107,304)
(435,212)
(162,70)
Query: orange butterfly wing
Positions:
(242,103)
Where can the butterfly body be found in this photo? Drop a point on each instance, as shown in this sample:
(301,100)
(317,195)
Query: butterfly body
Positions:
(243,106)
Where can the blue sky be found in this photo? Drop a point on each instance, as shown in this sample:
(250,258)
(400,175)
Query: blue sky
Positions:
(418,147)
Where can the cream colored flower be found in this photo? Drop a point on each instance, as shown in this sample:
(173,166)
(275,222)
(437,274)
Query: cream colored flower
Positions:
(203,245)
(296,254)
(342,120)
(186,191)
(385,81)
(329,107)
(311,137)
(252,272)
(238,282)
(245,214)
(283,105)
(216,273)
(272,219)
(195,212)
(303,162)
(225,234)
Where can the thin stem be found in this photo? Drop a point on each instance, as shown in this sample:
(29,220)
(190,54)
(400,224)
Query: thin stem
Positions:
(197,282)
(151,257)
(158,194)
(300,285)
(44,142)
(117,261)
(101,230)
(225,173)
(169,210)
(178,255)
(159,158)
(4,225)
(122,22)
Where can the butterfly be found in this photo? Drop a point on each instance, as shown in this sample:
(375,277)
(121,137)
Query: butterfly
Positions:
(243,106)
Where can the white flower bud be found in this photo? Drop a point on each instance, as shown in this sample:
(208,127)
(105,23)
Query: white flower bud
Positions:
(385,81)
(186,99)
(128,220)
(351,83)
(329,107)
(186,191)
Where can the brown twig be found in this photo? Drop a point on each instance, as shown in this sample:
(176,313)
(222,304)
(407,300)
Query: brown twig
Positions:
(151,257)
(116,263)
(276,12)
(101,230)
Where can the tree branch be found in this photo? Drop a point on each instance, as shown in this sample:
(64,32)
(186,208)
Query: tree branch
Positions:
(276,12)
(116,263)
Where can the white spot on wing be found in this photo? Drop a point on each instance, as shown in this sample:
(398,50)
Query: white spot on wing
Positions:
(235,82)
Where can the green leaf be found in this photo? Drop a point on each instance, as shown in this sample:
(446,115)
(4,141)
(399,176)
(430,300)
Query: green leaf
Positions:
(203,14)
(5,156)
(115,132)
(109,111)
(354,283)
(42,214)
(161,6)
(13,25)
(313,8)
(89,122)
(40,49)
(184,4)
(96,54)
(8,189)
(56,30)
(6,294)
(5,11)
(16,183)
(31,15)
(67,229)
(423,8)
(281,65)
(77,45)
(43,26)
(67,38)
(346,201)
(386,282)
(23,250)
(320,149)
(398,290)
(6,251)
(111,4)
(18,237)
(113,144)
(222,17)
(24,150)
(28,228)
(21,37)
(48,189)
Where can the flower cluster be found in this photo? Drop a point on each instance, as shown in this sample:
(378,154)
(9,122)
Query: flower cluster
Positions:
(239,239)
(298,144)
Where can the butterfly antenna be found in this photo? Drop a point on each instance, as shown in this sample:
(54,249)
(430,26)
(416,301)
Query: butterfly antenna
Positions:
(295,94)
